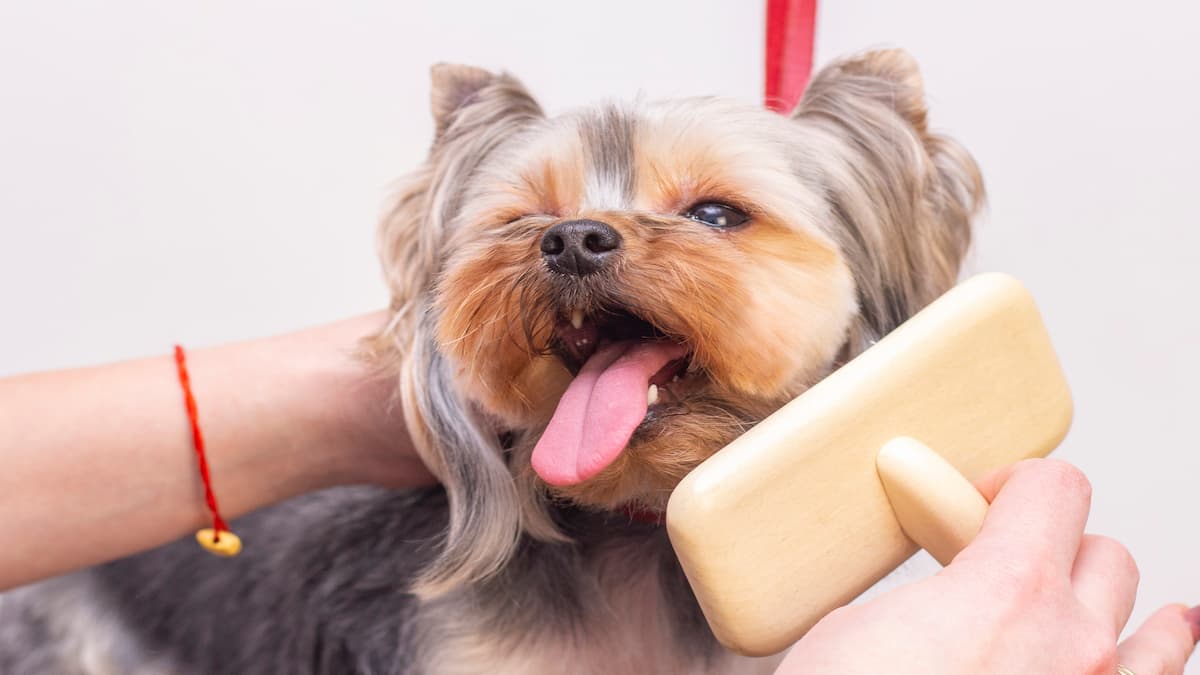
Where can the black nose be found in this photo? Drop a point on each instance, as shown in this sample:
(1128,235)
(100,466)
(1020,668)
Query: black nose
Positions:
(579,247)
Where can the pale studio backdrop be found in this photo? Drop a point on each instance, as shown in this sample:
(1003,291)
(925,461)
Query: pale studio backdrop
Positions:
(211,171)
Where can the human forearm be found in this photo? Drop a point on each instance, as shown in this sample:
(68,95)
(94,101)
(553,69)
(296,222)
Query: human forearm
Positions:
(98,462)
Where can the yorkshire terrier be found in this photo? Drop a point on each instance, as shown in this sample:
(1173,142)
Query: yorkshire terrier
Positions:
(585,308)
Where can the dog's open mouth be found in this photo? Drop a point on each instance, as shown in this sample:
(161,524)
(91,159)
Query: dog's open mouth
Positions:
(624,367)
(578,336)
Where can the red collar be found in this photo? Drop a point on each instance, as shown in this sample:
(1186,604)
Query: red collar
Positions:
(644,516)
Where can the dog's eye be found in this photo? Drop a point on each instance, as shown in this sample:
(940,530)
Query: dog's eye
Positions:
(717,215)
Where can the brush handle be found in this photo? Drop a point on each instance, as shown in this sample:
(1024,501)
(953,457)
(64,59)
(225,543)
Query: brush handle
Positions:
(936,506)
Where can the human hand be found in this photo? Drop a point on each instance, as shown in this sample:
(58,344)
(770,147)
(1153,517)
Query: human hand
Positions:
(1032,594)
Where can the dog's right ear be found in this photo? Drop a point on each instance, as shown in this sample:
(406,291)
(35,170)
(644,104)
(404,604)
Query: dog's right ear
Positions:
(467,99)
(453,87)
(473,111)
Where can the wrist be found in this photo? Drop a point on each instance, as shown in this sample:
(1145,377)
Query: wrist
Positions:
(299,412)
(356,425)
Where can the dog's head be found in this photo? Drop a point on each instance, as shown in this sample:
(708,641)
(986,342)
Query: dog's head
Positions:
(587,306)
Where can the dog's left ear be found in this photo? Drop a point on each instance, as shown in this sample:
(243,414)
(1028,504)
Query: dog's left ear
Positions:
(904,196)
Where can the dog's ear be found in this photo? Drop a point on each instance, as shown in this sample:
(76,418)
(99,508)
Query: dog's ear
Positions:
(904,196)
(452,87)
(889,77)
(474,112)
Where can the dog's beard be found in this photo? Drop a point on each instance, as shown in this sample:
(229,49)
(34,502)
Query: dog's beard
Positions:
(634,397)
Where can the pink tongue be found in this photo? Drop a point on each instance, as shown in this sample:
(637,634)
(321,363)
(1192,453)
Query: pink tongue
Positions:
(599,411)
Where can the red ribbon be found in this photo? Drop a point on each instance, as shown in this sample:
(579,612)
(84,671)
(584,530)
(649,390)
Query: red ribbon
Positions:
(790,29)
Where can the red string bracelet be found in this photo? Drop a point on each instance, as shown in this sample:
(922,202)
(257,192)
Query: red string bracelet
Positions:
(218,539)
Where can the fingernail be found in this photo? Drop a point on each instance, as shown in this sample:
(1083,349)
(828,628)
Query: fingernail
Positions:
(1193,617)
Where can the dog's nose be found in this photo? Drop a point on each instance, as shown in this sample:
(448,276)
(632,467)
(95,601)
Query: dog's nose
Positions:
(579,247)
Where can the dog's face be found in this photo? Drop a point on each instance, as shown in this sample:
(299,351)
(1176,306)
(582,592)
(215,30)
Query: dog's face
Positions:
(642,284)
(622,290)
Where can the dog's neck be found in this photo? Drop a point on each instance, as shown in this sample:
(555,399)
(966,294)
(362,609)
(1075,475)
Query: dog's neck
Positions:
(591,525)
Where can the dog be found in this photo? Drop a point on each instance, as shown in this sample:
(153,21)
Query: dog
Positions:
(585,307)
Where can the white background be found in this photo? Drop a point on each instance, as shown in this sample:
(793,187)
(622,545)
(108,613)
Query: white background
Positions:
(210,171)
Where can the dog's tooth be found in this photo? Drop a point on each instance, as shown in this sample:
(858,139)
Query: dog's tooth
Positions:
(652,395)
(577,318)
(675,379)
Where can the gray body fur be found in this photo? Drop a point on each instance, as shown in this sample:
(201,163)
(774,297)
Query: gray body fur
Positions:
(322,588)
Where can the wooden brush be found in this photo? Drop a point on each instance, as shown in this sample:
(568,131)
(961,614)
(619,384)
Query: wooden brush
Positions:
(823,498)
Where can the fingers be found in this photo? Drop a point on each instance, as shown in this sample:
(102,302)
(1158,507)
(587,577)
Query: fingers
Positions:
(1161,646)
(1039,508)
(1105,579)
(991,483)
